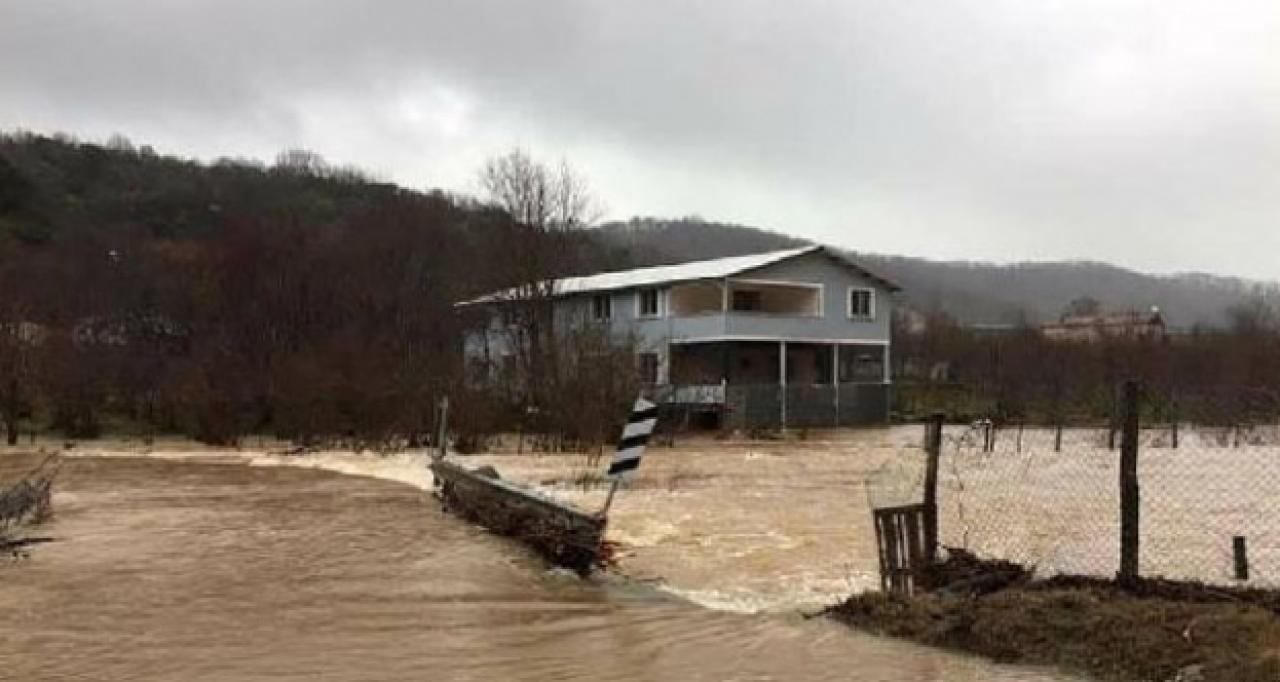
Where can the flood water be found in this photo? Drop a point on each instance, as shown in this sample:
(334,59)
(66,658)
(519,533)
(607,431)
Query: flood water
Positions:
(205,571)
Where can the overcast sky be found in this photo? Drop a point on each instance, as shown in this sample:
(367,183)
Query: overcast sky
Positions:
(1141,133)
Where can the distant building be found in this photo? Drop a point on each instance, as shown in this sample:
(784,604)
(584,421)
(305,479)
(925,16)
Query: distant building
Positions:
(1093,328)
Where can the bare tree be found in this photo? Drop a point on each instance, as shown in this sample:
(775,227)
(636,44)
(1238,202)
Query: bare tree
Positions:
(538,196)
(548,205)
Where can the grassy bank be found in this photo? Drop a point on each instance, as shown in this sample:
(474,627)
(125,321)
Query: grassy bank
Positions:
(1151,630)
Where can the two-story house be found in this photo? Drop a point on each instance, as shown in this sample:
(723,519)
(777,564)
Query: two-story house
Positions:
(793,338)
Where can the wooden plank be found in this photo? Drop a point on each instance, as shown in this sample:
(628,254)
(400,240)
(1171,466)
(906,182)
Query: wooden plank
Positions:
(915,551)
(882,552)
(891,543)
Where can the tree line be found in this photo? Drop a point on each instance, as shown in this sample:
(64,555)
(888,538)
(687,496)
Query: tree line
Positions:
(1216,376)
(146,294)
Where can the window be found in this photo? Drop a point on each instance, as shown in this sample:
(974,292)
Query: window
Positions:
(862,303)
(650,303)
(648,368)
(746,301)
(601,307)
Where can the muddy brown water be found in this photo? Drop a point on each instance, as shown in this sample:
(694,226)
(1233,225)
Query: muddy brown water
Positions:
(205,571)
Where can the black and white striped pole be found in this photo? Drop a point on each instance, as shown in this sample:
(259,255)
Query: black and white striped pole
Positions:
(644,416)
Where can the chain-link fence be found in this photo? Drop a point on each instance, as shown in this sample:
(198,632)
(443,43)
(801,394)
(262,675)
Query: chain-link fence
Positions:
(1050,497)
(1042,497)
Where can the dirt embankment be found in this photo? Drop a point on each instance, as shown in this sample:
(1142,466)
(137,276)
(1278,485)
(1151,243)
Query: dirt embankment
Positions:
(1148,630)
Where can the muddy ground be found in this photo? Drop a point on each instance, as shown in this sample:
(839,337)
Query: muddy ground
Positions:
(1146,630)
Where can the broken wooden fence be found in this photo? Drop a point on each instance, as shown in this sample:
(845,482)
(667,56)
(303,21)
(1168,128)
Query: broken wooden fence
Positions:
(901,541)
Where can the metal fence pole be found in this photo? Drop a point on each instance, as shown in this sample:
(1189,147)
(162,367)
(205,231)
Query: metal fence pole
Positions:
(933,451)
(1130,534)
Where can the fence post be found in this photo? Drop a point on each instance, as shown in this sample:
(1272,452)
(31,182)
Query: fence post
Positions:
(1130,535)
(933,451)
(1112,419)
(1241,556)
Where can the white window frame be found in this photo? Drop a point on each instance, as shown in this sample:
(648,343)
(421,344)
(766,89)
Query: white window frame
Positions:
(659,304)
(871,303)
(608,307)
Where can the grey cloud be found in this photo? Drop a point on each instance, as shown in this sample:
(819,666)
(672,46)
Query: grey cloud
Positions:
(1140,132)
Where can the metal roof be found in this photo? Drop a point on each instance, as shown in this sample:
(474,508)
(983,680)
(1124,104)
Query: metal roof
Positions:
(716,268)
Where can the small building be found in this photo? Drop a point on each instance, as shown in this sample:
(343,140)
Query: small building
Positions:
(1132,325)
(799,337)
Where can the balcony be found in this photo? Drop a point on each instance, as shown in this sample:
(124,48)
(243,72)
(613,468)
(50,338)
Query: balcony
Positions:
(747,297)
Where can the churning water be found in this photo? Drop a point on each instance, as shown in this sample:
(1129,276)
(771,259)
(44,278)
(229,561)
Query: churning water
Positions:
(204,571)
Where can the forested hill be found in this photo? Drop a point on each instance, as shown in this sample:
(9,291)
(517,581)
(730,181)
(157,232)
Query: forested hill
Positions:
(217,299)
(58,196)
(973,292)
(232,297)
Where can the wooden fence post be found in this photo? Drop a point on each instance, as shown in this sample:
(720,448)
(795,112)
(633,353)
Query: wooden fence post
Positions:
(1241,556)
(933,451)
(1130,535)
(1111,422)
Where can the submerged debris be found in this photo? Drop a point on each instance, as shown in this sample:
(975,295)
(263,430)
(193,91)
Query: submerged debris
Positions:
(964,573)
(28,501)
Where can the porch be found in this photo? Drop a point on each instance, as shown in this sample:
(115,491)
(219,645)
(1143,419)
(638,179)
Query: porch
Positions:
(777,384)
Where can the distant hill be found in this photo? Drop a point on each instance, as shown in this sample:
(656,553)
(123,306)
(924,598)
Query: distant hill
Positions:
(974,292)
(58,195)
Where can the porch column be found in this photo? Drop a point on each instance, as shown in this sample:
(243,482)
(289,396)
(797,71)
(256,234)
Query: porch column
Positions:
(782,381)
(835,381)
(724,306)
(724,362)
(888,374)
